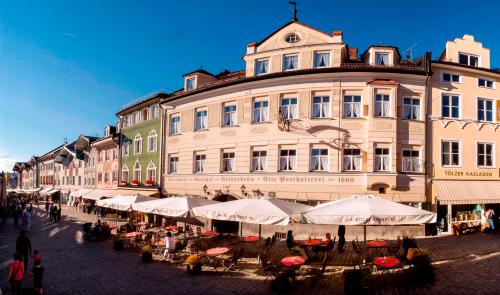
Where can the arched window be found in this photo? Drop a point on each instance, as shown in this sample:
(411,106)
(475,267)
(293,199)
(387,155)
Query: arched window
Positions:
(152,141)
(125,173)
(137,171)
(151,171)
(138,144)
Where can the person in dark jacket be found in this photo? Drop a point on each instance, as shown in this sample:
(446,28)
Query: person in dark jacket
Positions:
(23,247)
(38,277)
(341,234)
(58,213)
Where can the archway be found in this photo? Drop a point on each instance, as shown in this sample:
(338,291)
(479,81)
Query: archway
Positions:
(223,226)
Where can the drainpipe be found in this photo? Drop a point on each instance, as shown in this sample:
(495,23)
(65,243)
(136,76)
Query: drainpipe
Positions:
(163,131)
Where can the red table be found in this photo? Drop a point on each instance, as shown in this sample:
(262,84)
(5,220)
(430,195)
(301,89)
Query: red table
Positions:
(171,228)
(133,234)
(142,223)
(250,239)
(376,244)
(209,234)
(160,243)
(386,262)
(217,251)
(312,242)
(292,261)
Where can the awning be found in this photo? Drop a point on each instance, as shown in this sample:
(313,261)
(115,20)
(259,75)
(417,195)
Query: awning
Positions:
(45,190)
(467,191)
(80,192)
(130,192)
(98,194)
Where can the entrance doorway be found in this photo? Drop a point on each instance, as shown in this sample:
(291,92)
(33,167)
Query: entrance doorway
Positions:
(223,226)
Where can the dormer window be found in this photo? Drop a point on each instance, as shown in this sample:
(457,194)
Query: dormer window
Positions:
(261,66)
(190,83)
(106,131)
(468,60)
(290,62)
(292,38)
(382,59)
(321,59)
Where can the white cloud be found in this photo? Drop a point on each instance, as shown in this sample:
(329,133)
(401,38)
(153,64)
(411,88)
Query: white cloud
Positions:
(7,162)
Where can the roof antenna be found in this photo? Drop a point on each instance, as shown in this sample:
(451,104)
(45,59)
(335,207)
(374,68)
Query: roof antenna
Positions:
(65,139)
(409,51)
(294,3)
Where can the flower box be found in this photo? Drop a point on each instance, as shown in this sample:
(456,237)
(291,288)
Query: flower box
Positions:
(149,182)
(124,182)
(135,182)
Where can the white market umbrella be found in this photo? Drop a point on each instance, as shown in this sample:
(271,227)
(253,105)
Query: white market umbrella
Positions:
(173,206)
(123,203)
(366,210)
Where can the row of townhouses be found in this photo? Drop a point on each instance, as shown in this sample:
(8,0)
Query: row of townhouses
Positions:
(309,119)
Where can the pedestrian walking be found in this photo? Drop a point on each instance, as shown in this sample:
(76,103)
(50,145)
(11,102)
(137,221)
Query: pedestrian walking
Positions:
(23,247)
(16,215)
(58,212)
(27,220)
(491,221)
(38,276)
(16,274)
(52,212)
(341,234)
(47,207)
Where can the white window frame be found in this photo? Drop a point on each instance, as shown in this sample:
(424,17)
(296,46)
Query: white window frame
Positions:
(450,141)
(377,53)
(451,78)
(381,104)
(412,108)
(202,119)
(296,55)
(153,148)
(329,62)
(194,85)
(468,59)
(230,117)
(352,159)
(381,158)
(137,170)
(319,159)
(493,155)
(350,105)
(125,169)
(289,111)
(257,61)
(125,150)
(262,110)
(138,139)
(257,164)
(451,105)
(200,160)
(177,129)
(410,159)
(151,168)
(154,111)
(321,106)
(228,162)
(485,110)
(291,160)
(486,80)
(173,168)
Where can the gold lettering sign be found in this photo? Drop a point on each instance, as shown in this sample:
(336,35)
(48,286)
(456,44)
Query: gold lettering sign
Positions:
(468,173)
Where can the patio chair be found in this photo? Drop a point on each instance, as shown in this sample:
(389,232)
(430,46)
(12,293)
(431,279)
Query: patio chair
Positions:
(316,270)
(273,240)
(358,249)
(394,248)
(231,263)
(271,270)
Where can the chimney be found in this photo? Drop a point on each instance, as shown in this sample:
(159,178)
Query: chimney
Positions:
(337,36)
(251,47)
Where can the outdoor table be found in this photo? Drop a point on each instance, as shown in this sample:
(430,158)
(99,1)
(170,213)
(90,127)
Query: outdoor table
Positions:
(376,244)
(386,263)
(160,243)
(133,234)
(293,261)
(312,243)
(212,253)
(251,239)
(142,223)
(209,234)
(171,228)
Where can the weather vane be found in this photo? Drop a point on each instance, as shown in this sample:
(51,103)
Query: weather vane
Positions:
(294,3)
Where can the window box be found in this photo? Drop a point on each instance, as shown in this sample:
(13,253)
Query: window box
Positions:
(135,182)
(149,182)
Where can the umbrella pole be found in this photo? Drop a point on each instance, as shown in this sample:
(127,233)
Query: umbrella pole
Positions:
(364,234)
(258,244)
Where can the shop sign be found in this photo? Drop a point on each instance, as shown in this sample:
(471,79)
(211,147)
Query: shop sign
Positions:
(468,173)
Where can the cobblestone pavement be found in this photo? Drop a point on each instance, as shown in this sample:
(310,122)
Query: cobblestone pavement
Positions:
(465,265)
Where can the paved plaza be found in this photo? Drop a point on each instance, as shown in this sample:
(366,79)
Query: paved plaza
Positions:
(465,265)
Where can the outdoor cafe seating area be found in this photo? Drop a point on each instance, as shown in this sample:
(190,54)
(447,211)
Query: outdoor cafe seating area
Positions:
(277,258)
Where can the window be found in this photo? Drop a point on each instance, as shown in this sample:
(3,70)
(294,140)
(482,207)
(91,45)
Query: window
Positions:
(382,105)
(115,176)
(382,59)
(411,160)
(352,159)
(292,38)
(228,162)
(485,155)
(154,111)
(290,62)
(450,153)
(190,83)
(319,160)
(107,156)
(485,83)
(137,171)
(259,160)
(137,116)
(450,106)
(145,114)
(485,109)
(321,59)
(321,107)
(229,115)
(151,171)
(448,77)
(79,180)
(175,125)
(99,177)
(138,144)
(288,160)
(115,153)
(106,177)
(382,159)
(352,106)
(125,173)
(260,111)
(411,108)
(199,163)
(468,60)
(261,66)
(201,119)
(289,108)
(152,141)
(173,164)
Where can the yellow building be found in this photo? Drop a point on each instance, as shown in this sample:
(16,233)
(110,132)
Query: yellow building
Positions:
(463,133)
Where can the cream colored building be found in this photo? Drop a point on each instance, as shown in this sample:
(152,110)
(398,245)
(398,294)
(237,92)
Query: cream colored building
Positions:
(464,133)
(308,120)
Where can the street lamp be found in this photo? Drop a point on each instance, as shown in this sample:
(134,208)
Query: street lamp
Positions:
(243,188)
(205,189)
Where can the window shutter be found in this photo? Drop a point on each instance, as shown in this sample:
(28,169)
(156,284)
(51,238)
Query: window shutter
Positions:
(304,104)
(366,110)
(214,118)
(365,160)
(273,107)
(240,110)
(498,110)
(187,123)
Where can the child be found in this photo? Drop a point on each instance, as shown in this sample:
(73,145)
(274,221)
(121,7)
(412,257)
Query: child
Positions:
(36,257)
(37,277)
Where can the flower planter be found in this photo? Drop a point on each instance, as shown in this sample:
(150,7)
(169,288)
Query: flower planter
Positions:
(193,269)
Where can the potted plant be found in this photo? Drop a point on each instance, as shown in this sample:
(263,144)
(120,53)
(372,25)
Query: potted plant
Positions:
(193,264)
(150,182)
(147,254)
(118,243)
(123,182)
(409,242)
(422,272)
(135,182)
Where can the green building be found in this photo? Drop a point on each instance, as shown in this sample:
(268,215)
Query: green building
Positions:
(140,143)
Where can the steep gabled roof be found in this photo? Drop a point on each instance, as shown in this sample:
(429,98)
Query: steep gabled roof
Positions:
(286,25)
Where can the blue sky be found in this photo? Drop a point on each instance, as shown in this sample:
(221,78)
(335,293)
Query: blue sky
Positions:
(66,67)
